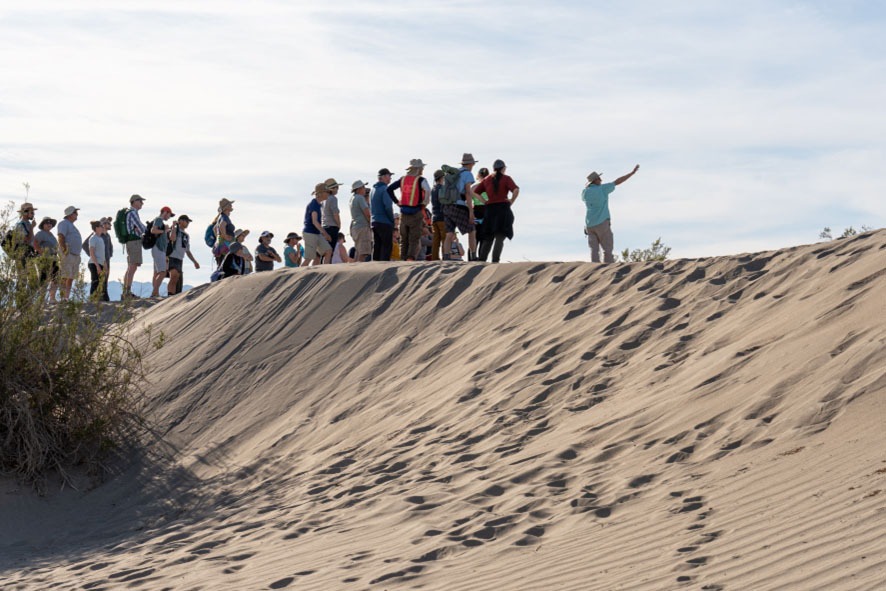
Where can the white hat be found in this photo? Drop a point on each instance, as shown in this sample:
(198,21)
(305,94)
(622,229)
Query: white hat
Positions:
(357,185)
(69,210)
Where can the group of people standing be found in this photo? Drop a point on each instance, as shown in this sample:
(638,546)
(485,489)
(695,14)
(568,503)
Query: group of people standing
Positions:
(428,219)
(55,259)
(426,228)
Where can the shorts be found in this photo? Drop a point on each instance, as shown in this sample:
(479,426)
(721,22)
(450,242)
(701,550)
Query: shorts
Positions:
(457,216)
(175,265)
(362,241)
(70,266)
(134,252)
(159,257)
(315,245)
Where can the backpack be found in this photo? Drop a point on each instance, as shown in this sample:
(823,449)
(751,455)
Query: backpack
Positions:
(85,244)
(121,231)
(9,243)
(209,235)
(149,239)
(12,249)
(450,193)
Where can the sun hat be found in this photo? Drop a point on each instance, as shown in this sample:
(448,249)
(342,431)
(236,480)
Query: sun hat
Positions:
(239,233)
(384,171)
(498,164)
(71,210)
(290,236)
(319,188)
(593,177)
(439,174)
(468,158)
(357,185)
(47,219)
(27,207)
(224,203)
(135,198)
(416,163)
(331,184)
(166,209)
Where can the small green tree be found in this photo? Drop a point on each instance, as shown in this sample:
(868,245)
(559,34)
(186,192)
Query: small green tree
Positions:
(657,251)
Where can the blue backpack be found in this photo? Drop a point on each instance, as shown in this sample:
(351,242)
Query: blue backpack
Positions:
(209,236)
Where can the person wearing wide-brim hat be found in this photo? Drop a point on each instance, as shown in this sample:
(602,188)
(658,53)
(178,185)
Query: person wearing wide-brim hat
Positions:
(234,263)
(46,248)
(23,233)
(223,228)
(70,245)
(460,215)
(415,193)
(240,238)
(292,254)
(316,237)
(330,215)
(597,219)
(361,218)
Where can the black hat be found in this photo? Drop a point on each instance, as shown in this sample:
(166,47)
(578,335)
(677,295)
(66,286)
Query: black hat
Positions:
(184,218)
(384,171)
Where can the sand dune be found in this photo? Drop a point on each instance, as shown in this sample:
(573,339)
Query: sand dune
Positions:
(699,424)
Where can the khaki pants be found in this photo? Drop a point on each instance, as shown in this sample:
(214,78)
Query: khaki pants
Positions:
(410,235)
(439,237)
(601,235)
(362,242)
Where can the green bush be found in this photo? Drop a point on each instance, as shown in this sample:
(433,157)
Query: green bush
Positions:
(656,252)
(69,381)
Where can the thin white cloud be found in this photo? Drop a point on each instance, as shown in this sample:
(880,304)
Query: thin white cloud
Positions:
(753,124)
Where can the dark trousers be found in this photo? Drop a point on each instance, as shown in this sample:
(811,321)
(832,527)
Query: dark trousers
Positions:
(494,243)
(382,241)
(98,283)
(333,232)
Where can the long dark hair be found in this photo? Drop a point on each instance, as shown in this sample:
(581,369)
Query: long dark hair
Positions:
(495,179)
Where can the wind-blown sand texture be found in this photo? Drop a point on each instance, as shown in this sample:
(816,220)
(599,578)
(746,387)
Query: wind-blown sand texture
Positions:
(700,424)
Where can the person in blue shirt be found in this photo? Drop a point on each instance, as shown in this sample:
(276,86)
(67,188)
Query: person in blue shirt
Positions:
(381,217)
(316,238)
(597,219)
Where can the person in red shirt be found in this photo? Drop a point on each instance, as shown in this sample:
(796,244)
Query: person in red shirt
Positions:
(498,220)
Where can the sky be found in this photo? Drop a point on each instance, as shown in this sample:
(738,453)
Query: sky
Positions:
(755,124)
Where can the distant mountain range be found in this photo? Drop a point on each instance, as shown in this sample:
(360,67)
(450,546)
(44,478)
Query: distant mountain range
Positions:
(139,288)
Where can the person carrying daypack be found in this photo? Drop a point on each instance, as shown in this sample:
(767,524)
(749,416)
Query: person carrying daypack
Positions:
(223,230)
(414,195)
(130,233)
(460,214)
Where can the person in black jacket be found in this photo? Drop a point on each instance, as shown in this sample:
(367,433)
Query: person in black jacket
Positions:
(234,263)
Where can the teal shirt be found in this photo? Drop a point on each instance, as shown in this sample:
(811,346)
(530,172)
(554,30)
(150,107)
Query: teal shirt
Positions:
(596,198)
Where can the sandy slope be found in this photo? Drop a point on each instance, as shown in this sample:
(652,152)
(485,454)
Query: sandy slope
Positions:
(697,424)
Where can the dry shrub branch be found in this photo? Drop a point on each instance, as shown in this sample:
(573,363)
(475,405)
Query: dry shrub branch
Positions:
(70,385)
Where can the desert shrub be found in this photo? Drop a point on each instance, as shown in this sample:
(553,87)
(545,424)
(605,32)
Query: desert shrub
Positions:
(657,251)
(826,233)
(69,382)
